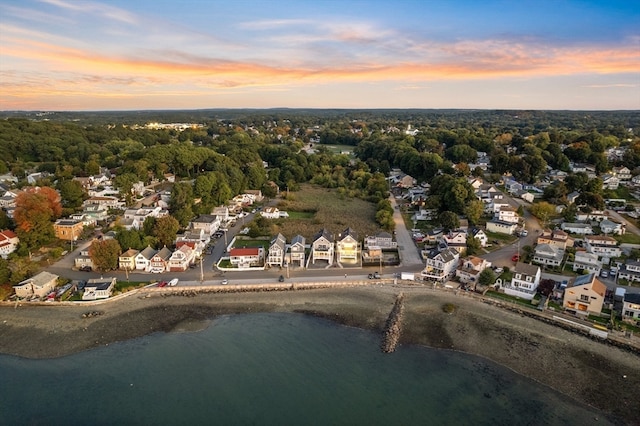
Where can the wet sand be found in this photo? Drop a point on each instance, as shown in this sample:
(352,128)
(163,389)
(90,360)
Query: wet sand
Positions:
(591,372)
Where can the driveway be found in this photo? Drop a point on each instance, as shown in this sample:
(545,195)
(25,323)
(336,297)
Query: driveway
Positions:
(407,249)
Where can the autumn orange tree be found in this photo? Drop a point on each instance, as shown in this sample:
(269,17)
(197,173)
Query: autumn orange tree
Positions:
(104,254)
(36,209)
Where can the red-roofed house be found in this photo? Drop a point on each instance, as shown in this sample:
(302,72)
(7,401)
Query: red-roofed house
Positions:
(8,243)
(247,257)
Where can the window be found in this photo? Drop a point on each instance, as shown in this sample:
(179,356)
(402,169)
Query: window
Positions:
(584,298)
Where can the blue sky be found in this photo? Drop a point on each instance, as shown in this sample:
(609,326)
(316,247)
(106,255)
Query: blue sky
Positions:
(161,54)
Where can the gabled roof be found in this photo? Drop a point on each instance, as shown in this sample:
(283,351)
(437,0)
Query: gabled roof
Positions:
(527,269)
(164,253)
(298,239)
(205,218)
(323,234)
(39,279)
(590,280)
(279,240)
(147,253)
(129,253)
(349,232)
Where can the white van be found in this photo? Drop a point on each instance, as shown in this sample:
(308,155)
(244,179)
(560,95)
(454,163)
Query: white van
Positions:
(173,282)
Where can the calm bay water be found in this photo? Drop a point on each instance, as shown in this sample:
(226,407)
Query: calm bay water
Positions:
(273,369)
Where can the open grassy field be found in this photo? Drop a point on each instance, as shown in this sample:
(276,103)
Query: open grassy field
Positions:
(313,208)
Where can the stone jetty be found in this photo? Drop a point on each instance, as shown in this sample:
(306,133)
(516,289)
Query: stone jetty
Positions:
(393,327)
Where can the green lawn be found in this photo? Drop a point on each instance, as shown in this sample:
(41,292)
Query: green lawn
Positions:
(628,238)
(300,215)
(245,242)
(508,298)
(123,286)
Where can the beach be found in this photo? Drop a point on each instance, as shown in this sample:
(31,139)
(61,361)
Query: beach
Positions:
(591,372)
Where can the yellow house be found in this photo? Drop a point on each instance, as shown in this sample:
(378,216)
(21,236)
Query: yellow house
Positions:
(348,247)
(585,295)
(67,229)
(127,260)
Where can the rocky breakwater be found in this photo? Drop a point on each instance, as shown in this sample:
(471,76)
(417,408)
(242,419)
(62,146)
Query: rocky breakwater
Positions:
(393,326)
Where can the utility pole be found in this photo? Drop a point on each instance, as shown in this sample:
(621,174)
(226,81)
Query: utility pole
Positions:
(201,271)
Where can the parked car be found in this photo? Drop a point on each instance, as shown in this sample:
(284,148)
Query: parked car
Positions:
(225,281)
(162,284)
(515,258)
(85,268)
(604,273)
(524,233)
(173,282)
(281,278)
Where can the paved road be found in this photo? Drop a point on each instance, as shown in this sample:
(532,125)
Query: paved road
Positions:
(628,225)
(409,255)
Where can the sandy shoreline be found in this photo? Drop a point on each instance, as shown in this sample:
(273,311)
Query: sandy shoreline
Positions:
(586,370)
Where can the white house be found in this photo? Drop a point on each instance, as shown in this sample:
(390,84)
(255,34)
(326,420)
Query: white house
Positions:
(480,235)
(246,257)
(277,248)
(270,213)
(383,240)
(525,281)
(209,223)
(470,269)
(546,254)
(577,228)
(143,259)
(134,218)
(501,227)
(98,288)
(297,251)
(456,240)
(603,246)
(347,247)
(609,227)
(507,214)
(622,173)
(440,265)
(160,261)
(630,271)
(8,243)
(587,262)
(181,258)
(322,247)
(631,306)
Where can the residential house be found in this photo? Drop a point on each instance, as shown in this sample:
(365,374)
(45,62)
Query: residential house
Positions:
(556,175)
(134,218)
(383,240)
(631,306)
(585,261)
(277,249)
(511,185)
(584,295)
(480,235)
(348,247)
(322,247)
(470,269)
(440,266)
(635,180)
(507,214)
(526,195)
(630,271)
(143,259)
(222,213)
(196,238)
(270,213)
(256,193)
(572,197)
(180,259)
(622,173)
(209,223)
(39,285)
(67,229)
(546,254)
(8,243)
(609,227)
(83,260)
(247,257)
(525,281)
(297,251)
(610,181)
(603,246)
(127,260)
(556,238)
(159,262)
(108,202)
(98,288)
(577,228)
(424,214)
(501,227)
(456,240)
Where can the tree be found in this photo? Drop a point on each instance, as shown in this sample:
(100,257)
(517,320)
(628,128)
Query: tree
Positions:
(473,245)
(473,211)
(34,213)
(546,287)
(104,254)
(543,211)
(71,193)
(449,220)
(486,277)
(181,203)
(165,230)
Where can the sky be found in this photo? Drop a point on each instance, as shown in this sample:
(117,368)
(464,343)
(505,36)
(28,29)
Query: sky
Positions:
(75,55)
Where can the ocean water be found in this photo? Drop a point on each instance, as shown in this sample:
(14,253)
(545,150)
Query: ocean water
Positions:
(274,369)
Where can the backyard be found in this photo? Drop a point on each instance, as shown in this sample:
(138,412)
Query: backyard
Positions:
(313,208)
